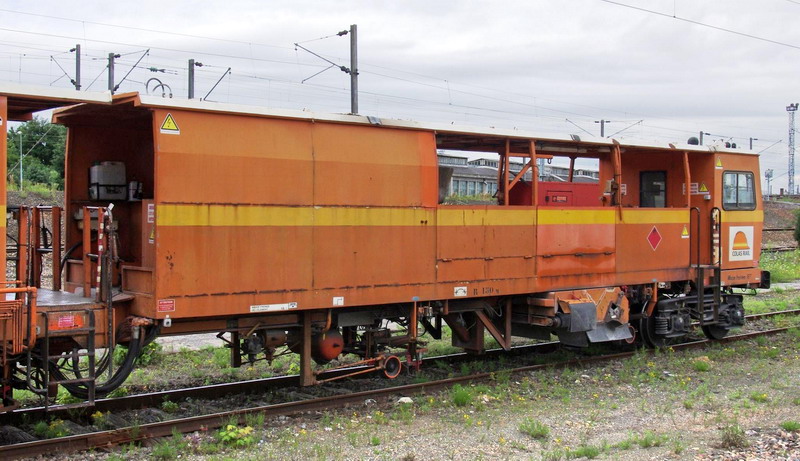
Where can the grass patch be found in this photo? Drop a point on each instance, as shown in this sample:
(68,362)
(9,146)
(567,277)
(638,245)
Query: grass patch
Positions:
(170,448)
(791,426)
(584,451)
(783,266)
(51,430)
(733,436)
(701,365)
(534,428)
(461,396)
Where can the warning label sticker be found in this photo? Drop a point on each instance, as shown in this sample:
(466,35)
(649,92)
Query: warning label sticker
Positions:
(718,165)
(695,188)
(685,232)
(166,305)
(168,126)
(273,307)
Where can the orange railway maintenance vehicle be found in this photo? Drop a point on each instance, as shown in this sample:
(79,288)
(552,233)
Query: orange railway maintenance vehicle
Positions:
(327,234)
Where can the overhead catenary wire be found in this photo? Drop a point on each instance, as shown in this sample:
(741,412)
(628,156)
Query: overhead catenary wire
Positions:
(53,59)
(703,24)
(146,52)
(142,29)
(627,127)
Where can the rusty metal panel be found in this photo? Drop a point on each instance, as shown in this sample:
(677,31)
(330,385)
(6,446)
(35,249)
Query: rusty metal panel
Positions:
(203,260)
(652,238)
(373,166)
(573,241)
(485,242)
(360,257)
(227,159)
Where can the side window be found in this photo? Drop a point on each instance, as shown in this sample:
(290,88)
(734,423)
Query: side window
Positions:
(653,189)
(738,191)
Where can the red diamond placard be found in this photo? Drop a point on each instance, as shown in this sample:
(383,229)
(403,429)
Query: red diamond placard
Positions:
(654,238)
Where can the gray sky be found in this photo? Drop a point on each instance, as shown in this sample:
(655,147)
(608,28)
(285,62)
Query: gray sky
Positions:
(526,64)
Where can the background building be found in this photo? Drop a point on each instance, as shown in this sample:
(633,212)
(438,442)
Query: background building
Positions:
(479,176)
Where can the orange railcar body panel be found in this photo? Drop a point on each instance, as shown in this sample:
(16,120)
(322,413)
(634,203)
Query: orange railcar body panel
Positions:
(257,212)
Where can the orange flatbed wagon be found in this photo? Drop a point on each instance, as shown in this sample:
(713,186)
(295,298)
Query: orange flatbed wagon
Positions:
(329,234)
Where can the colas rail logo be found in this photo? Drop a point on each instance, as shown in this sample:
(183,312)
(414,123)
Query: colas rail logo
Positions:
(740,243)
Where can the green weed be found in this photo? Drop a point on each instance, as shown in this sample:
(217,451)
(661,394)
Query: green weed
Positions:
(733,436)
(534,428)
(791,426)
(461,396)
(54,429)
(701,365)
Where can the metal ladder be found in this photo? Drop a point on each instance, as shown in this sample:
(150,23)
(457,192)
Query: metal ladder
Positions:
(78,331)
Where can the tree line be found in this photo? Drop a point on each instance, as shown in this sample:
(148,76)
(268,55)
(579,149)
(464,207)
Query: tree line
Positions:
(42,145)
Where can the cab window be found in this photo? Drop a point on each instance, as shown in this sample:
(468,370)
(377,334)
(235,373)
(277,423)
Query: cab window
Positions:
(738,191)
(653,192)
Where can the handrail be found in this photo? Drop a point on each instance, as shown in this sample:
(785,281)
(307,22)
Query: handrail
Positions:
(697,230)
(716,236)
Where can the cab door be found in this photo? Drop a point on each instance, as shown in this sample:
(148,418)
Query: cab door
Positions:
(741,214)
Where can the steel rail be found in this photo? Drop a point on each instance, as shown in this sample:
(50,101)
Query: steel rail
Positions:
(107,439)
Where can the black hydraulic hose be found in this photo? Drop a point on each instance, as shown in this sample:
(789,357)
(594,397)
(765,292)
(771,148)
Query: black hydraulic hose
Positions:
(120,375)
(69,252)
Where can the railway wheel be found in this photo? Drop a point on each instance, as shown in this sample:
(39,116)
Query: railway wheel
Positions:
(647,331)
(715,332)
(392,367)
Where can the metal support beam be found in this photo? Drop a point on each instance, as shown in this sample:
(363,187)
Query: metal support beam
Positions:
(353,69)
(56,244)
(111,72)
(236,356)
(23,246)
(791,109)
(78,67)
(306,373)
(504,341)
(191,79)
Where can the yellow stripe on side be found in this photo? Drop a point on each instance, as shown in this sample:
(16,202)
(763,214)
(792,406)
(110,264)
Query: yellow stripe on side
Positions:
(333,216)
(244,216)
(228,215)
(654,216)
(576,216)
(233,215)
(484,217)
(743,216)
(3,221)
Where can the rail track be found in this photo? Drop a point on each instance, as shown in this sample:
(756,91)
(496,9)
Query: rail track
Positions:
(110,438)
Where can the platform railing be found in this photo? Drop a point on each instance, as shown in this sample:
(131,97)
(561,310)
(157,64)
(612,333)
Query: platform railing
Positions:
(35,240)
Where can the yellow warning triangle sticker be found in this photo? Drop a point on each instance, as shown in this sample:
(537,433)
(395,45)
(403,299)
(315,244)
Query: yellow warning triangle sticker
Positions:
(719,162)
(685,233)
(703,187)
(169,126)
